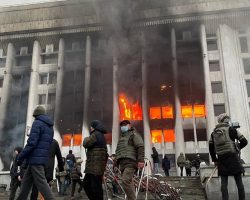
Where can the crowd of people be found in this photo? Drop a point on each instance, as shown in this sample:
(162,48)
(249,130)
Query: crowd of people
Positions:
(33,166)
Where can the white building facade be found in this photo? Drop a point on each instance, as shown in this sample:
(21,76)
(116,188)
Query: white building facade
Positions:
(177,65)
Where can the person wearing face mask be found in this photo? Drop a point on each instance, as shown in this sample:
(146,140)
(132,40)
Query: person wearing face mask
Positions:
(130,156)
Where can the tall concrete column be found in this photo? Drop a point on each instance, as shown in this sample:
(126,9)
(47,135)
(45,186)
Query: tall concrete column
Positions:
(179,136)
(146,126)
(85,124)
(210,122)
(116,112)
(59,88)
(6,89)
(34,81)
(234,82)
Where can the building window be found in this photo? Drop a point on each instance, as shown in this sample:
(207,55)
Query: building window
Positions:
(51,98)
(246,64)
(248,87)
(214,66)
(218,109)
(52,78)
(243,45)
(212,45)
(217,87)
(43,78)
(42,99)
(1,82)
(188,135)
(201,134)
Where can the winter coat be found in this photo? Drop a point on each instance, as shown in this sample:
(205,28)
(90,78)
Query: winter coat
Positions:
(165,164)
(188,164)
(196,162)
(229,163)
(181,160)
(155,157)
(72,157)
(96,151)
(14,172)
(36,151)
(76,172)
(137,142)
(54,151)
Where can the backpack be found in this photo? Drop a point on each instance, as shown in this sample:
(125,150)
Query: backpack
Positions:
(222,141)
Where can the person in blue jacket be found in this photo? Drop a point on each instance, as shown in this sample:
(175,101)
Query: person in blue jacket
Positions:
(36,154)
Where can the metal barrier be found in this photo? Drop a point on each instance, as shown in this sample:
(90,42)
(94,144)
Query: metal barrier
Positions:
(142,181)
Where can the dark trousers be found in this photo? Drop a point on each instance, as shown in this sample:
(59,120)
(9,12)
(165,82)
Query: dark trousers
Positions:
(188,171)
(15,184)
(181,171)
(34,192)
(239,183)
(166,172)
(92,185)
(197,171)
(74,182)
(35,174)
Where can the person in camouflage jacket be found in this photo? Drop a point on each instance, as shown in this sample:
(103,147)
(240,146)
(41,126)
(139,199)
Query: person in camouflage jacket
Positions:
(96,152)
(130,156)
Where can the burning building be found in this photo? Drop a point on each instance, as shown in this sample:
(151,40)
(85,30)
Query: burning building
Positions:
(169,66)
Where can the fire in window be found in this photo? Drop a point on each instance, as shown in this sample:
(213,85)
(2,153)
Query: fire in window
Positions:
(199,111)
(187,111)
(167,112)
(77,139)
(66,139)
(128,110)
(169,135)
(155,112)
(156,136)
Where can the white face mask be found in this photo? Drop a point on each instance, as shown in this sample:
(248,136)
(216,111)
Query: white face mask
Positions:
(124,129)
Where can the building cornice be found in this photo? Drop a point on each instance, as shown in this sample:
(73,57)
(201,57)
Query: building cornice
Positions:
(55,19)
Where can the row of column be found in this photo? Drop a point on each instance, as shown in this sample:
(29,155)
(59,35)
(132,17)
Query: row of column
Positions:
(34,82)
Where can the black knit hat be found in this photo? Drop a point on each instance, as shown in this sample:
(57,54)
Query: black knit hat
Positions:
(124,123)
(39,110)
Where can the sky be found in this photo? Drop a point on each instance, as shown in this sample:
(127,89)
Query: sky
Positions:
(4,3)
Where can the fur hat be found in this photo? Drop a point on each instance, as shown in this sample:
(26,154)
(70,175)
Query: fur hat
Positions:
(39,110)
(222,118)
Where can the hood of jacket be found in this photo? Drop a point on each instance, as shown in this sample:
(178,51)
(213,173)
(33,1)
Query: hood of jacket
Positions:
(46,119)
(99,127)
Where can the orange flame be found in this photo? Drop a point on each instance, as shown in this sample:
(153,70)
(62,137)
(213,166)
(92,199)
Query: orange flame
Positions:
(187,111)
(199,111)
(169,135)
(129,111)
(156,136)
